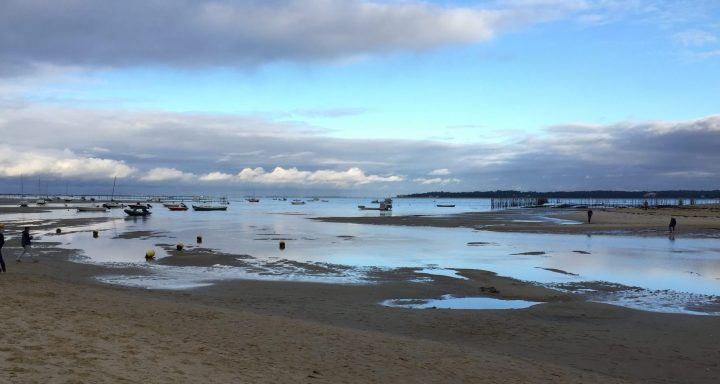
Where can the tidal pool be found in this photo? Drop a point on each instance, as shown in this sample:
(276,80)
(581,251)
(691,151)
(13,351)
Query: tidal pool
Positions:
(451,302)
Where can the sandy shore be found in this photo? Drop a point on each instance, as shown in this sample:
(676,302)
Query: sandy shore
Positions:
(692,221)
(58,324)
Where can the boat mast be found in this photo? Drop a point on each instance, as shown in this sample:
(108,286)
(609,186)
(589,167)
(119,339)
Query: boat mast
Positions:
(112,198)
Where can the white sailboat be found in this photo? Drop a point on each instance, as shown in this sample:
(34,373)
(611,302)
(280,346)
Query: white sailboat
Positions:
(112,203)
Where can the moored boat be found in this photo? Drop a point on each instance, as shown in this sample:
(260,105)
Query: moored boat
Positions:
(177,207)
(137,212)
(207,207)
(139,206)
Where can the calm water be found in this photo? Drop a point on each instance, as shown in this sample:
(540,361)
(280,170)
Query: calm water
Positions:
(674,274)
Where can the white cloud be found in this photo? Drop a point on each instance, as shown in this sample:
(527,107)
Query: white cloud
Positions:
(439,172)
(167,174)
(436,180)
(280,175)
(695,38)
(216,176)
(63,163)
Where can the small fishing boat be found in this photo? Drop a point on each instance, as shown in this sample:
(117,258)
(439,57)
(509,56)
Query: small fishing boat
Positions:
(445,205)
(253,200)
(41,202)
(177,207)
(297,202)
(112,204)
(385,205)
(24,203)
(137,212)
(139,206)
(207,207)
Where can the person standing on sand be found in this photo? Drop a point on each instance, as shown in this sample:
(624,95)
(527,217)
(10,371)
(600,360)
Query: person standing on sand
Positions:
(589,215)
(671,227)
(25,242)
(2,242)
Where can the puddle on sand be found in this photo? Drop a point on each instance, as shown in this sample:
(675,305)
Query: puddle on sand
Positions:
(451,302)
(442,272)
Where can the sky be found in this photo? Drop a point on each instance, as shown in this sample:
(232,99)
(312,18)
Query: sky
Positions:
(358,97)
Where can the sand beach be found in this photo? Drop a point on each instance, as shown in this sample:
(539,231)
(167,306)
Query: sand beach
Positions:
(61,325)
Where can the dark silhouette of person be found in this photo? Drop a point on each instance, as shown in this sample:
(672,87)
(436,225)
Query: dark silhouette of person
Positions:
(673,222)
(2,242)
(590,212)
(25,242)
(645,205)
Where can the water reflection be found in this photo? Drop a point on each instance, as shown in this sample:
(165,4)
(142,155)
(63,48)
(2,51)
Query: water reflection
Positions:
(450,302)
(654,263)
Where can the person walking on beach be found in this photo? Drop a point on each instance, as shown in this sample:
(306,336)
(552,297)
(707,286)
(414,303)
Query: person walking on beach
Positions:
(2,242)
(589,215)
(671,228)
(25,243)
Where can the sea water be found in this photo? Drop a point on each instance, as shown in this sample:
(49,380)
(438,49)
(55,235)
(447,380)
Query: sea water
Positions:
(671,275)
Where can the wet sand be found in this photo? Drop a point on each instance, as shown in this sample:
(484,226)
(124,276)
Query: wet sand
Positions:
(692,221)
(60,325)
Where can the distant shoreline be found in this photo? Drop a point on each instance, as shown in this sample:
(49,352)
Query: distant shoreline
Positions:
(593,194)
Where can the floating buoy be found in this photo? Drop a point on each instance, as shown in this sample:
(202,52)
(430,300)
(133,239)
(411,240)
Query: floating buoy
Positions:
(180,246)
(150,254)
(95,234)
(58,231)
(199,239)
(282,245)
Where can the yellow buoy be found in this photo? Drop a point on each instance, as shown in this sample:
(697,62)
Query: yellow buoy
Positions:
(150,254)
(95,234)
(180,246)
(282,245)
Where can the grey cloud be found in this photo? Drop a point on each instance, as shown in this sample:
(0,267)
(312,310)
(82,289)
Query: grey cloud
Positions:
(653,155)
(232,33)
(192,33)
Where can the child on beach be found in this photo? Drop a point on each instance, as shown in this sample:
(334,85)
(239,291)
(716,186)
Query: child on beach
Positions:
(2,242)
(26,244)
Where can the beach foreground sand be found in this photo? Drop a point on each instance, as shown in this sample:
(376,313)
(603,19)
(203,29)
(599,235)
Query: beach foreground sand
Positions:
(59,325)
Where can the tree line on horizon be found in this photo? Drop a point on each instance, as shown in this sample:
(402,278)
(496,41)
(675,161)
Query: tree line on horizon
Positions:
(596,194)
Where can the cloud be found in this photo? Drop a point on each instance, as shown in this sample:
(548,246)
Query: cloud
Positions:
(63,163)
(439,172)
(269,154)
(167,174)
(280,175)
(216,176)
(436,180)
(695,38)
(241,33)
